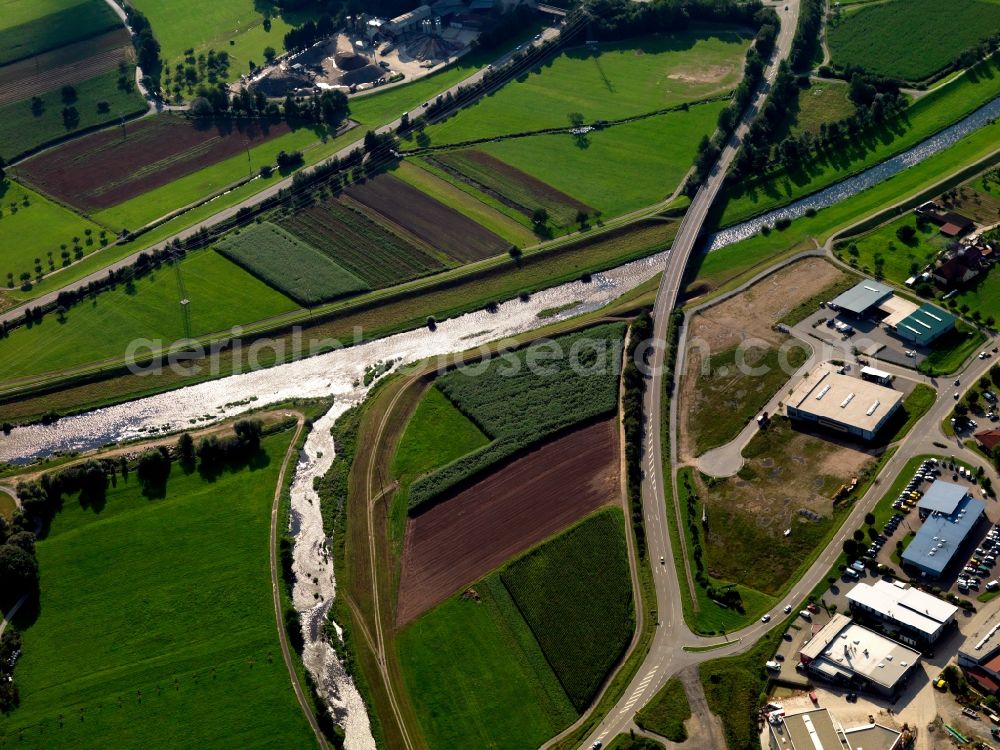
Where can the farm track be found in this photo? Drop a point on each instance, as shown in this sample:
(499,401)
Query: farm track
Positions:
(516,506)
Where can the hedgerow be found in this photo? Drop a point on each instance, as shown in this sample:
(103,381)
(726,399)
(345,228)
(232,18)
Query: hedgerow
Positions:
(520,398)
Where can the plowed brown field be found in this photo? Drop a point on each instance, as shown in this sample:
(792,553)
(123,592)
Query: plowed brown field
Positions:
(66,65)
(102,170)
(441,227)
(461,539)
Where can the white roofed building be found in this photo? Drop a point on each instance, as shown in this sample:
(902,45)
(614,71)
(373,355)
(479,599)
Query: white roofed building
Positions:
(909,614)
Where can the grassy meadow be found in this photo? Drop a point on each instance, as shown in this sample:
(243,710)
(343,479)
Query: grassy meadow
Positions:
(666,713)
(24,131)
(35,230)
(158,608)
(910,39)
(612,81)
(236,26)
(220,296)
(619,169)
(823,102)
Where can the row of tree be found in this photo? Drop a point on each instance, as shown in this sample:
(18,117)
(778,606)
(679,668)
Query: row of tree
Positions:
(147,49)
(634,382)
(620,19)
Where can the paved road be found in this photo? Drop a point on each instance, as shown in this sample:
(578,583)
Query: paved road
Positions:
(666,655)
(253,200)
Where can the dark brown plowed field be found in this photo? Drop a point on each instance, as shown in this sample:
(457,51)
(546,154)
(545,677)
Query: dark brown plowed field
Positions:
(459,540)
(102,170)
(440,227)
(69,64)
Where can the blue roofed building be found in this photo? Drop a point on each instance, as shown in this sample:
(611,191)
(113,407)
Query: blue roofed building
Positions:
(941,497)
(925,325)
(942,536)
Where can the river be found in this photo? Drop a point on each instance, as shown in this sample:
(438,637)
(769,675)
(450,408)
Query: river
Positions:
(341,374)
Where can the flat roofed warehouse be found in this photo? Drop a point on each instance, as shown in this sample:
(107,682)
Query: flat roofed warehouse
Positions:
(851,654)
(942,497)
(926,325)
(941,537)
(916,617)
(862,298)
(809,730)
(843,403)
(896,309)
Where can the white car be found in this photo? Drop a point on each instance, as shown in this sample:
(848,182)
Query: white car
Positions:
(766,618)
(788,608)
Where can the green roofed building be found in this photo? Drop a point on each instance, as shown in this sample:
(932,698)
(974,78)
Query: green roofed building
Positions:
(926,325)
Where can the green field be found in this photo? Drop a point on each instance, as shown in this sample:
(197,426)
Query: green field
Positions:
(36,230)
(576,595)
(359,244)
(478,672)
(30,27)
(524,397)
(478,678)
(436,435)
(180,25)
(823,102)
(23,131)
(220,296)
(650,159)
(923,118)
(154,609)
(289,265)
(666,713)
(620,79)
(910,39)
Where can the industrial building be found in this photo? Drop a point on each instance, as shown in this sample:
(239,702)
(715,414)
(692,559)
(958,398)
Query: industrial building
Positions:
(842,403)
(850,654)
(941,497)
(979,654)
(862,299)
(942,535)
(908,614)
(925,325)
(817,729)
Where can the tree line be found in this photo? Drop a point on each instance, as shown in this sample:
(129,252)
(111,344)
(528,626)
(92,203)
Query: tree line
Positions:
(147,49)
(634,382)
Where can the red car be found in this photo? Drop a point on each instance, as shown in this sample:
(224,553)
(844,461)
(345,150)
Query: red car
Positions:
(813,608)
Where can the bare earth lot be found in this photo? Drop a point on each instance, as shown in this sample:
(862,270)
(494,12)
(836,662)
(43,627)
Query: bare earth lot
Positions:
(460,540)
(747,318)
(103,170)
(442,228)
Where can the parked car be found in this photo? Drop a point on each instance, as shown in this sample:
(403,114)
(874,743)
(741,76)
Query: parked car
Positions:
(813,608)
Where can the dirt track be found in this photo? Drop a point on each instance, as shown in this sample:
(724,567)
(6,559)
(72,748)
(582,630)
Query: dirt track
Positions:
(458,541)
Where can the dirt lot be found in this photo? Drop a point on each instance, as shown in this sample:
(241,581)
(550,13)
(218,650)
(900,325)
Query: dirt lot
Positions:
(708,398)
(416,212)
(69,64)
(101,170)
(458,541)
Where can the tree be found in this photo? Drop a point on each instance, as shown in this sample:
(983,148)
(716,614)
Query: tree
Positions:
(870,519)
(103,107)
(68,95)
(850,548)
(539,217)
(18,571)
(248,432)
(859,535)
(185,450)
(269,54)
(37,106)
(906,234)
(70,117)
(153,468)
(23,539)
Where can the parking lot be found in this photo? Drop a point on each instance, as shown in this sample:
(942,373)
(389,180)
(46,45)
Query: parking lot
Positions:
(871,338)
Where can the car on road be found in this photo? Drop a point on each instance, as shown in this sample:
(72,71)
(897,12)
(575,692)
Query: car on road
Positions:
(597,745)
(663,560)
(766,618)
(958,381)
(788,608)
